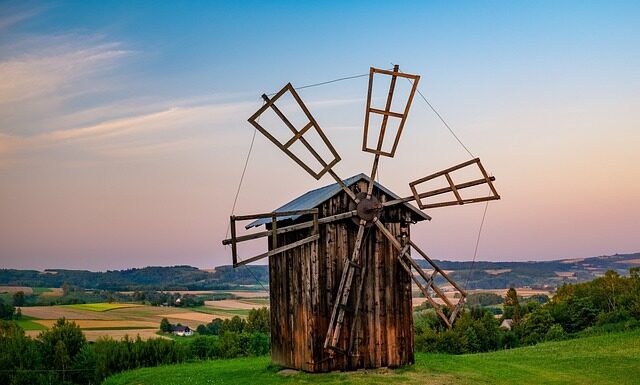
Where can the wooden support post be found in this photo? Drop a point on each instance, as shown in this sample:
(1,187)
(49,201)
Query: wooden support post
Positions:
(274,231)
(234,247)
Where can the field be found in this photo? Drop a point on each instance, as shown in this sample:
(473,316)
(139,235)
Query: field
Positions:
(607,359)
(119,319)
(101,306)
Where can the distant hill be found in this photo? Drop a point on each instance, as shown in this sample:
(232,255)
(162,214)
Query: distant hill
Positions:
(147,278)
(536,274)
(481,275)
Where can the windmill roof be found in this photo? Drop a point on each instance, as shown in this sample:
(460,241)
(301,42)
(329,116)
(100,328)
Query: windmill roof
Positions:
(316,197)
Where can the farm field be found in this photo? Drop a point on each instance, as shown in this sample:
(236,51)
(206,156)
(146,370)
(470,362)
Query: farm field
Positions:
(607,359)
(100,306)
(119,319)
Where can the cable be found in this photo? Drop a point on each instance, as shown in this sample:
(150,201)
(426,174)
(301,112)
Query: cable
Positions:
(256,278)
(244,170)
(475,252)
(443,121)
(235,199)
(327,82)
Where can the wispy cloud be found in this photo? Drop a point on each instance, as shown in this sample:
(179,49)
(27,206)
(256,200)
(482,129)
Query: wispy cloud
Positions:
(55,69)
(12,16)
(164,130)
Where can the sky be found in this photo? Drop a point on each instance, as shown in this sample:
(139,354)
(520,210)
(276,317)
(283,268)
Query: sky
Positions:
(123,125)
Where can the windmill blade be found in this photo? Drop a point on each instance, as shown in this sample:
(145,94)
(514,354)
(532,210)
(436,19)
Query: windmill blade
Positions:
(387,113)
(407,263)
(315,234)
(298,135)
(454,188)
(342,296)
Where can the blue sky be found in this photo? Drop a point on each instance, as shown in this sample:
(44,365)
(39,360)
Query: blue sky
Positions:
(123,124)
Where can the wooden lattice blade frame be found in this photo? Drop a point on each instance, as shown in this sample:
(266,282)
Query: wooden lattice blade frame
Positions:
(387,113)
(298,133)
(453,187)
(234,240)
(407,263)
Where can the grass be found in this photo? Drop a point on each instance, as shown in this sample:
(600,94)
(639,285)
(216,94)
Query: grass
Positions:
(100,307)
(27,323)
(606,359)
(40,290)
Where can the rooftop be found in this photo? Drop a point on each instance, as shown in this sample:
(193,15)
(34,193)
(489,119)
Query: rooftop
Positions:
(316,197)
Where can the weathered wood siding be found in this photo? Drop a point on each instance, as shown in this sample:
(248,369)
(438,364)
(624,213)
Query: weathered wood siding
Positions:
(304,282)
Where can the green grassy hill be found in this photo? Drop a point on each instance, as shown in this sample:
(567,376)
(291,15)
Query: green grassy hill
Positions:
(607,359)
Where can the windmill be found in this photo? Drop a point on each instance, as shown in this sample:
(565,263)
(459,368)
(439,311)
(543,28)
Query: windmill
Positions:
(340,261)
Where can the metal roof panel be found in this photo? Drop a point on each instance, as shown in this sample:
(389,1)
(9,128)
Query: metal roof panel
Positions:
(316,197)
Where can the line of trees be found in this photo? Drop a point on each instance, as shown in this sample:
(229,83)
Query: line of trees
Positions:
(62,355)
(76,295)
(608,303)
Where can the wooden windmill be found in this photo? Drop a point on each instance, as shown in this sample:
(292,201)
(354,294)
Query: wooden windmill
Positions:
(340,264)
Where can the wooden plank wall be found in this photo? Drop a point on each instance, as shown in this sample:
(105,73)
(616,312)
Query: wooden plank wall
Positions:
(304,282)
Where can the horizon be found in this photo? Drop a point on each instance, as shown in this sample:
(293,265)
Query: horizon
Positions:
(123,127)
(266,265)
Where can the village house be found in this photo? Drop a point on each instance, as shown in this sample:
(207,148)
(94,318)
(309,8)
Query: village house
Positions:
(183,331)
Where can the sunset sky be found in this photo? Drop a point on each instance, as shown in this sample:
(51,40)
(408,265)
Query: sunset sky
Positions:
(123,125)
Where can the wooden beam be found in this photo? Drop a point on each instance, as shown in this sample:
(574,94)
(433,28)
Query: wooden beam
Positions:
(454,187)
(426,294)
(344,289)
(278,250)
(388,113)
(395,73)
(436,192)
(437,268)
(298,226)
(234,246)
(277,213)
(298,135)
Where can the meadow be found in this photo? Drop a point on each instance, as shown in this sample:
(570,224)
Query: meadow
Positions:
(605,359)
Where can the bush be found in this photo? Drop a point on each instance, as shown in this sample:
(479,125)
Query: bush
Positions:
(555,333)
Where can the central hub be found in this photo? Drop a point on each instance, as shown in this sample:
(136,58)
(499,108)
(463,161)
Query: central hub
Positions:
(368,209)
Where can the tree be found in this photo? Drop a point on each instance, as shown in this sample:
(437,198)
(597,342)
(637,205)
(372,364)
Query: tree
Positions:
(6,310)
(215,327)
(536,325)
(258,321)
(66,289)
(235,324)
(512,306)
(19,356)
(202,330)
(18,298)
(555,333)
(60,344)
(165,326)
